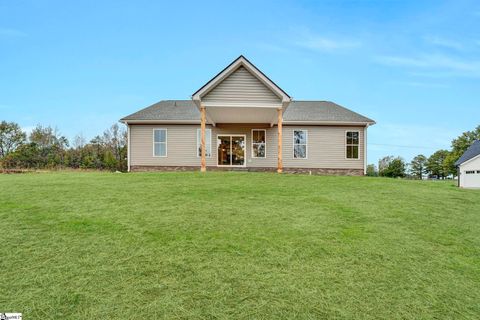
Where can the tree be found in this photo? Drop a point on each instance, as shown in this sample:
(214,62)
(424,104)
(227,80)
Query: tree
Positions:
(459,146)
(384,163)
(47,137)
(436,164)
(25,156)
(418,166)
(47,148)
(392,167)
(371,170)
(115,143)
(11,137)
(51,146)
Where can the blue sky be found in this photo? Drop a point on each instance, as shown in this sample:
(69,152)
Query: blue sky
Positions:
(413,66)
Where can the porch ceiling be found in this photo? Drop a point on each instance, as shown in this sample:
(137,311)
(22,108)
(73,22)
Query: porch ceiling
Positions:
(242,115)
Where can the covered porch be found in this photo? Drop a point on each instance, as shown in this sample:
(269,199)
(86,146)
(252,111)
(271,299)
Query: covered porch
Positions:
(244,107)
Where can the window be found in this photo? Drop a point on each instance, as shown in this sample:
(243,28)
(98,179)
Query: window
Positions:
(208,142)
(352,143)
(159,142)
(478,171)
(259,139)
(470,172)
(300,138)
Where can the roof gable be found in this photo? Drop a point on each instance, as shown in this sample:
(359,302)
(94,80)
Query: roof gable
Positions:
(239,86)
(239,82)
(470,153)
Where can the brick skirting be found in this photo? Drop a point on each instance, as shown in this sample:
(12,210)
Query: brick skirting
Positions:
(316,171)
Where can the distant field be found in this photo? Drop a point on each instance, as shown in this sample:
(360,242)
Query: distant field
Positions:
(237,245)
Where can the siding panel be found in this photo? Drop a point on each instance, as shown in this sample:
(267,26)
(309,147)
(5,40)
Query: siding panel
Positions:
(326,147)
(241,86)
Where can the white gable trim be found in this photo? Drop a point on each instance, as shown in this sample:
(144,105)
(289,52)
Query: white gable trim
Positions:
(241,61)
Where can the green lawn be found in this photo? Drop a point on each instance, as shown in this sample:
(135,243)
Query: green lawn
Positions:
(237,245)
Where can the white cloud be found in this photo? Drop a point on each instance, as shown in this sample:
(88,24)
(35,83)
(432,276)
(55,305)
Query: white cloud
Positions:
(423,84)
(442,63)
(327,44)
(272,47)
(7,32)
(443,42)
(306,38)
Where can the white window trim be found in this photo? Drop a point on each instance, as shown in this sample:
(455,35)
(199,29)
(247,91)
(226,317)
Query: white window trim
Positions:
(264,130)
(166,142)
(199,142)
(293,144)
(346,144)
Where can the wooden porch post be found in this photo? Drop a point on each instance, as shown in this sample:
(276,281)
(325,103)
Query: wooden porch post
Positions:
(203,167)
(280,119)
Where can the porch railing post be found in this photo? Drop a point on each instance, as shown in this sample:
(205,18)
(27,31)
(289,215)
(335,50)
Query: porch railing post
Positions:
(203,163)
(279,121)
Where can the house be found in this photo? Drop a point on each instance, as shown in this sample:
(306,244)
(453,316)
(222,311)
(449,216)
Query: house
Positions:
(468,166)
(242,120)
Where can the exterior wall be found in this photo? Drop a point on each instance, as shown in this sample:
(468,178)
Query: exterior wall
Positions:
(241,86)
(181,146)
(325,150)
(470,180)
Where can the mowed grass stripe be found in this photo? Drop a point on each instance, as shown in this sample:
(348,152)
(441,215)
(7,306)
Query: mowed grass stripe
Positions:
(237,245)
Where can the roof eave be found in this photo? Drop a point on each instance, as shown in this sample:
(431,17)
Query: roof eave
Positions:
(153,121)
(320,122)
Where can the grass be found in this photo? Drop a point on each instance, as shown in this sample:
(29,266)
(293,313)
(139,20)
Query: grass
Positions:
(237,245)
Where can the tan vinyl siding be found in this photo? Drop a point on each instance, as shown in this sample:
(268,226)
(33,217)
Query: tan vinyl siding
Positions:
(326,146)
(181,146)
(241,86)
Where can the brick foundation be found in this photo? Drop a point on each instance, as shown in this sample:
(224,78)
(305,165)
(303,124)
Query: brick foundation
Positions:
(315,171)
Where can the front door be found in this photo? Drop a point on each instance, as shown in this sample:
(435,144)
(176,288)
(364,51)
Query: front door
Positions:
(231,150)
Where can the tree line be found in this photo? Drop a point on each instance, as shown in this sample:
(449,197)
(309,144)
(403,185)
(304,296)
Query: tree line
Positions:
(45,148)
(439,165)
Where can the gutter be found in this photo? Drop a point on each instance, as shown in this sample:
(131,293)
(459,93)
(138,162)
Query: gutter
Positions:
(311,123)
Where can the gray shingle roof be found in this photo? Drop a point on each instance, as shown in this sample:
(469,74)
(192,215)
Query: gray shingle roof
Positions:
(185,110)
(321,111)
(472,152)
(167,110)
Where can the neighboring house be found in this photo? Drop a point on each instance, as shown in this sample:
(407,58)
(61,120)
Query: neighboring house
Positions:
(468,167)
(242,119)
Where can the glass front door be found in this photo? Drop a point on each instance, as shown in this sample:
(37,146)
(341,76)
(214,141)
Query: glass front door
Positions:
(231,150)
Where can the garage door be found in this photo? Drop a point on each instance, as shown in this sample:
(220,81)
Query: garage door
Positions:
(471,179)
